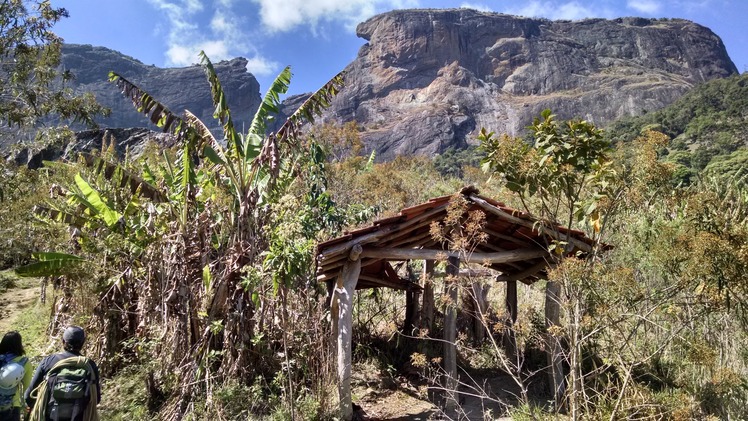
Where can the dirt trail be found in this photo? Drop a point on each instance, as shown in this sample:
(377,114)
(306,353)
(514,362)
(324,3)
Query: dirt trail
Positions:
(14,301)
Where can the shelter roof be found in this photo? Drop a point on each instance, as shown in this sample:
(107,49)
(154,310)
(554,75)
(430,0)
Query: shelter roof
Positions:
(515,243)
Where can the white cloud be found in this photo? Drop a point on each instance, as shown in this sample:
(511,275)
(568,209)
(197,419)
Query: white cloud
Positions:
(649,7)
(221,37)
(282,16)
(475,6)
(569,10)
(260,66)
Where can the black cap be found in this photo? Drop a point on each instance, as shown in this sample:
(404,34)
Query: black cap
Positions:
(74,335)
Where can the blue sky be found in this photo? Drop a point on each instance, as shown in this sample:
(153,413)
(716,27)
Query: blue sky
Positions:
(318,38)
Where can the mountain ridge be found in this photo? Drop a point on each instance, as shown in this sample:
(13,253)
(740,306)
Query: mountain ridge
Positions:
(428,79)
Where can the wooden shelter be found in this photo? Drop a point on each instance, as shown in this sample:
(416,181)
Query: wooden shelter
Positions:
(514,247)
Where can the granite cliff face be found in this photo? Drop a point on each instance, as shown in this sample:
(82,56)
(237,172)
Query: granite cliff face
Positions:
(177,88)
(430,79)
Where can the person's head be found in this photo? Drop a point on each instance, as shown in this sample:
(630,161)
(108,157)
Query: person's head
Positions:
(73,338)
(12,344)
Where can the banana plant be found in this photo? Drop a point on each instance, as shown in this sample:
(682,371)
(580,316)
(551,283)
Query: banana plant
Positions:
(251,162)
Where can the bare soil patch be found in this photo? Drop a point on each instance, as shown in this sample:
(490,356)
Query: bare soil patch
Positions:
(14,301)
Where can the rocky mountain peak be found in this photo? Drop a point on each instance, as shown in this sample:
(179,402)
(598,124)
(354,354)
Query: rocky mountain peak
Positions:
(429,79)
(177,88)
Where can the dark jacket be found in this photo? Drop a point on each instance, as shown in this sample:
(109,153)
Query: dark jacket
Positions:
(47,363)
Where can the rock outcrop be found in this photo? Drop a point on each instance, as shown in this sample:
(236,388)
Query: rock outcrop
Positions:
(132,141)
(177,88)
(429,79)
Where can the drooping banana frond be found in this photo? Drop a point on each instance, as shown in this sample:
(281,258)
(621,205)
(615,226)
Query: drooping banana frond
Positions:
(203,132)
(146,104)
(221,112)
(135,183)
(266,168)
(50,264)
(59,216)
(312,107)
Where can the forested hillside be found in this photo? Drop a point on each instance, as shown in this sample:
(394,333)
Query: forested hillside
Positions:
(707,128)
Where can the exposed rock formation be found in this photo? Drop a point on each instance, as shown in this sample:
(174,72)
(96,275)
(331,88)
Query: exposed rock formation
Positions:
(177,88)
(127,140)
(429,79)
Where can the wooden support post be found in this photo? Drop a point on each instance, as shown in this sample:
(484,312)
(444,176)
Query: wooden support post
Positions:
(411,309)
(332,301)
(450,334)
(344,291)
(510,342)
(480,306)
(427,309)
(555,351)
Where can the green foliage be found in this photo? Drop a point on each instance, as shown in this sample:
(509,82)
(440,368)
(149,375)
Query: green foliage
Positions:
(50,264)
(33,86)
(452,162)
(567,169)
(709,120)
(733,165)
(7,281)
(23,189)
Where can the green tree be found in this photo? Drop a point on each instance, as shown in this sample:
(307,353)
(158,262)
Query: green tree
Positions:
(206,235)
(32,88)
(565,177)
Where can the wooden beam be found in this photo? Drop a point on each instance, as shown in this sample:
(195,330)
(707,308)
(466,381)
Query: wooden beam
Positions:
(510,302)
(404,234)
(509,238)
(551,232)
(346,287)
(468,273)
(450,336)
(383,282)
(428,254)
(427,308)
(532,270)
(409,239)
(377,235)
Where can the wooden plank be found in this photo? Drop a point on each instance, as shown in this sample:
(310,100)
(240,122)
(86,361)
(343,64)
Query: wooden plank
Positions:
(510,303)
(409,239)
(526,273)
(428,254)
(427,308)
(509,238)
(382,232)
(553,233)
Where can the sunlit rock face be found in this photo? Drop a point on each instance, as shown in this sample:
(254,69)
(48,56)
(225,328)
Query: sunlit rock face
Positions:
(430,79)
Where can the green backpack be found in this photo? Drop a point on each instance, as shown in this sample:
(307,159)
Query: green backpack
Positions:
(69,388)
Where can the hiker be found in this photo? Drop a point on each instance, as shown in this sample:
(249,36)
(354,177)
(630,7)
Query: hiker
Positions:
(65,386)
(15,376)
